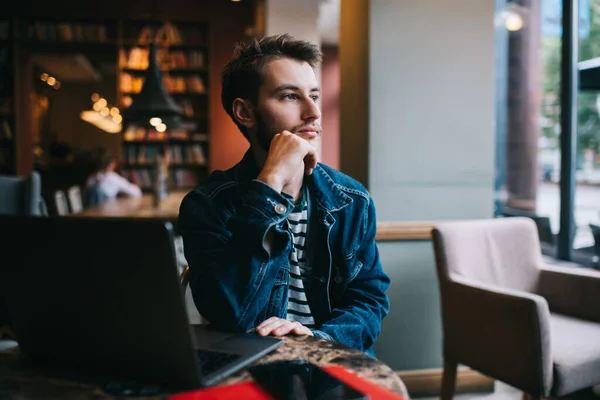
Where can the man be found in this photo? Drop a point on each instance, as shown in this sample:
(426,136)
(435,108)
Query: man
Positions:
(280,242)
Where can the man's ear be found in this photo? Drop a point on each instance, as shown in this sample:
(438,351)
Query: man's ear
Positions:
(244,113)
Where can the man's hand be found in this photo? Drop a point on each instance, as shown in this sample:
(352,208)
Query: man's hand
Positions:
(280,327)
(288,155)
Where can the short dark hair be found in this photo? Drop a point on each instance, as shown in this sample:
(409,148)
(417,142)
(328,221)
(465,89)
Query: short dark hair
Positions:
(243,75)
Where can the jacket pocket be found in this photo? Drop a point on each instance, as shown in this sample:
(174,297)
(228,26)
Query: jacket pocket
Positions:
(278,299)
(346,269)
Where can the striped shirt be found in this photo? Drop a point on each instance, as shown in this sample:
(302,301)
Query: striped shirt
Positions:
(298,308)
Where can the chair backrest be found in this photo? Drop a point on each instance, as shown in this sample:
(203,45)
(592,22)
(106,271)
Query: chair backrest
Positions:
(75,199)
(504,252)
(60,202)
(21,196)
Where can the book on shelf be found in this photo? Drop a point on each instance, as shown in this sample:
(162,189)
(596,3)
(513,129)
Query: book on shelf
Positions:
(172,84)
(196,84)
(180,84)
(67,31)
(179,177)
(197,59)
(130,83)
(199,137)
(164,35)
(178,134)
(136,58)
(196,154)
(140,177)
(140,134)
(187,154)
(177,59)
(183,178)
(168,34)
(137,134)
(179,154)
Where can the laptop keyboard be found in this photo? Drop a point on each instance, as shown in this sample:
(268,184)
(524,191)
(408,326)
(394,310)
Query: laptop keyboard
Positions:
(210,361)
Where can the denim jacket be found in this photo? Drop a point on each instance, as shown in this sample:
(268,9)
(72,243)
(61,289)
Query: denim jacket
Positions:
(236,283)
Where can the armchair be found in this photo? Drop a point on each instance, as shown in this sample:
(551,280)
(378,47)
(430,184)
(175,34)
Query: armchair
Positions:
(508,315)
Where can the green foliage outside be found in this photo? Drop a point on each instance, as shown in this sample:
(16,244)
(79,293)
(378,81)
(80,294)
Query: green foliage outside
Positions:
(588,117)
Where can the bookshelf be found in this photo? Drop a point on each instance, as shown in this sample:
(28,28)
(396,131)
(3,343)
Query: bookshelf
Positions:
(7,106)
(182,56)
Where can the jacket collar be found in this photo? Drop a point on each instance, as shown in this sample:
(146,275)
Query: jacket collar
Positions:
(321,185)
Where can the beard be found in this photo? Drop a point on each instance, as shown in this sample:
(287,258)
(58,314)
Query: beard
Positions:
(265,133)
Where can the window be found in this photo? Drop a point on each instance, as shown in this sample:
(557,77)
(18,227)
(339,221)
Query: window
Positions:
(528,79)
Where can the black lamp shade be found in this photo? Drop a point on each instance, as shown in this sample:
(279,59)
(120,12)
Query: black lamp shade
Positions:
(153,100)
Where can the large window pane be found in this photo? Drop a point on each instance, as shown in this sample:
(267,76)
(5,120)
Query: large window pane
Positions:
(528,115)
(587,192)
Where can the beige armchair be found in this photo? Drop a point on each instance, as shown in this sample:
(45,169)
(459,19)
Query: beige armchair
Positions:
(508,315)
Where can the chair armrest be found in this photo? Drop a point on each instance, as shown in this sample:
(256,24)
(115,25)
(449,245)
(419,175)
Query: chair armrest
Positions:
(571,291)
(501,332)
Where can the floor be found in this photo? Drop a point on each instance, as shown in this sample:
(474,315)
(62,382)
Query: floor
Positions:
(505,392)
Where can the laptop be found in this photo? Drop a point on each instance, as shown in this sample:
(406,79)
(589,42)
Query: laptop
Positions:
(102,294)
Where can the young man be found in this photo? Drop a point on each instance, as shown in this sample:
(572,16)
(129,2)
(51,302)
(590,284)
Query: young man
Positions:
(280,242)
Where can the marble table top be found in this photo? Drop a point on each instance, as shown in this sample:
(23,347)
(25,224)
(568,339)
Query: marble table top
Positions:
(22,382)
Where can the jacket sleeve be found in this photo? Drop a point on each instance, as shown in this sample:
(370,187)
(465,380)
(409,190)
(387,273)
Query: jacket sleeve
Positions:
(231,272)
(358,322)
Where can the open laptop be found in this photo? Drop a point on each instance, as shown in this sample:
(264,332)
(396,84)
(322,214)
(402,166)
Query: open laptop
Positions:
(102,294)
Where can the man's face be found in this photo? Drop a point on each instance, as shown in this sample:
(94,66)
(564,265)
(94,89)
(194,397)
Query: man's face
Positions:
(289,99)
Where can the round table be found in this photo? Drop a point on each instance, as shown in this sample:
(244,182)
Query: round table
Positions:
(20,381)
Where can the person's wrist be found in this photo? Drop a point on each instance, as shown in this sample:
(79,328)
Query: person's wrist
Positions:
(271,179)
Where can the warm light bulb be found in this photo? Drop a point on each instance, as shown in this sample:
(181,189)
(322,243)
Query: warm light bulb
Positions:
(161,127)
(97,107)
(95,97)
(102,102)
(513,22)
(117,119)
(51,81)
(44,77)
(57,85)
(155,121)
(126,101)
(114,111)
(104,112)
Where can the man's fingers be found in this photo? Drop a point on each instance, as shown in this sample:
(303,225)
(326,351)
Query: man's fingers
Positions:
(267,322)
(267,330)
(285,328)
(281,327)
(302,330)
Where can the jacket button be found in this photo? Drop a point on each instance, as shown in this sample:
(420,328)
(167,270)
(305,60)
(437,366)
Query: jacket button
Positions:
(280,209)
